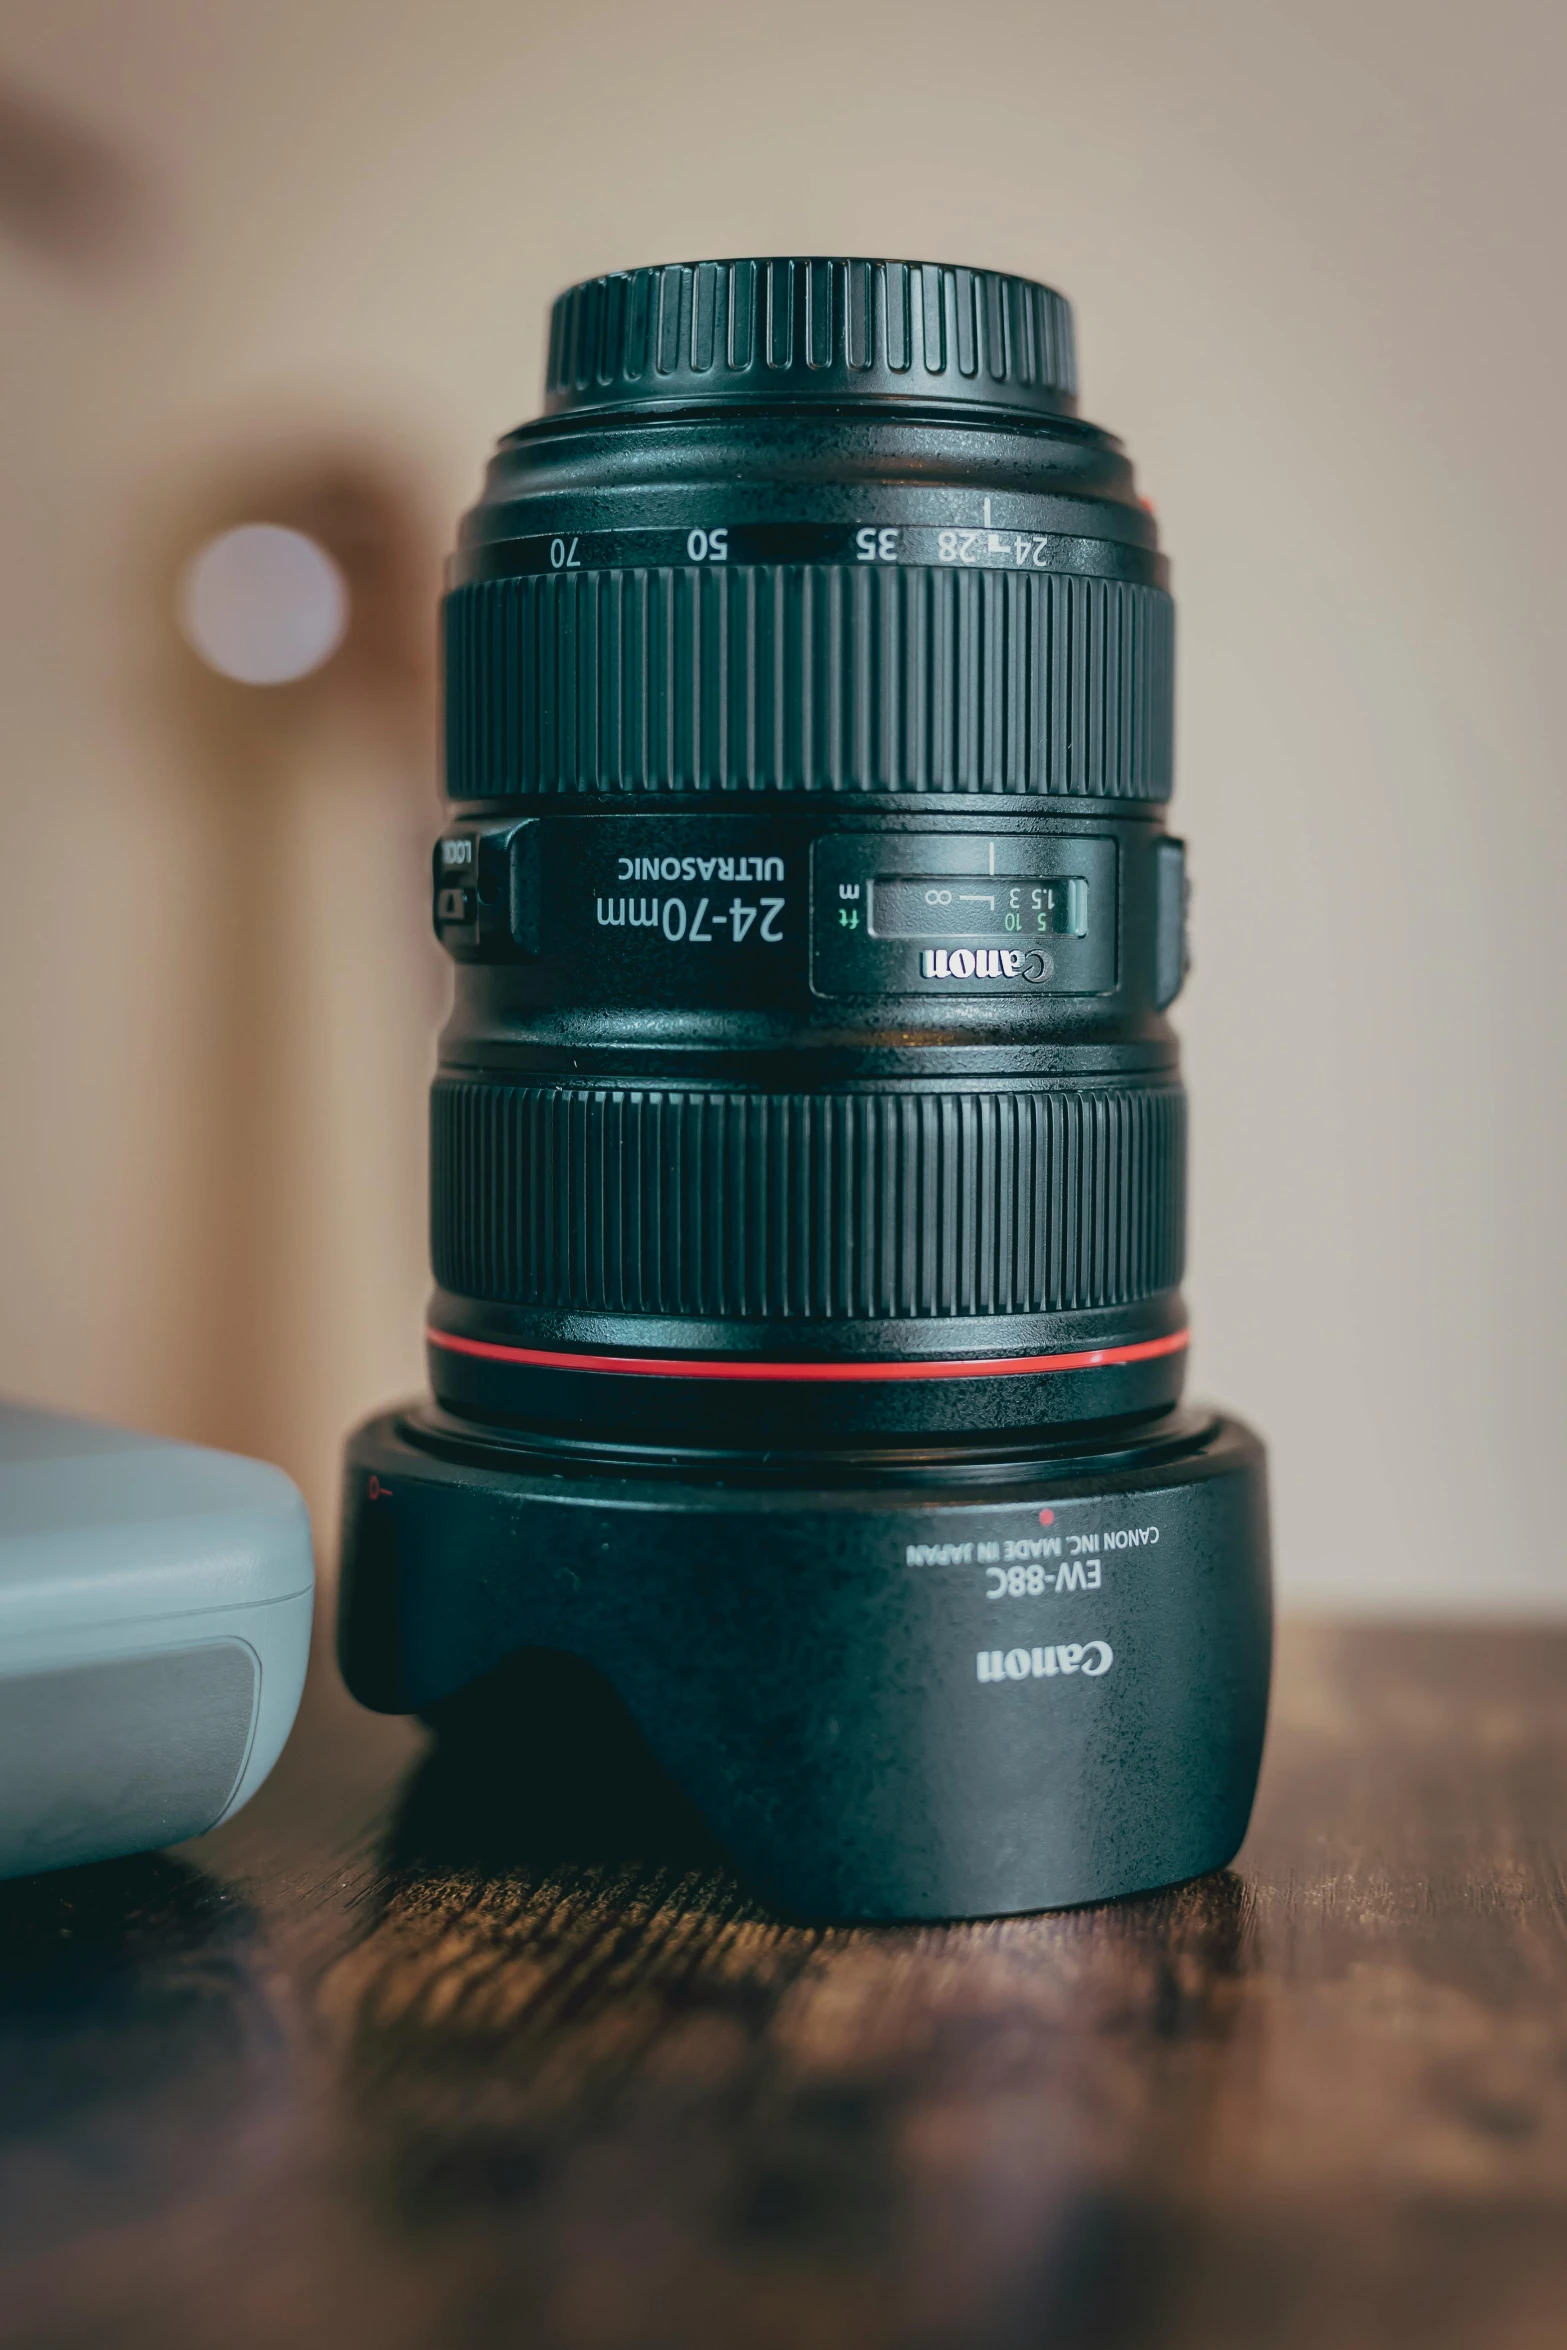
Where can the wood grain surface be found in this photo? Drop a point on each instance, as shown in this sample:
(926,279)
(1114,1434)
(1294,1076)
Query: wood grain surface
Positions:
(401,2059)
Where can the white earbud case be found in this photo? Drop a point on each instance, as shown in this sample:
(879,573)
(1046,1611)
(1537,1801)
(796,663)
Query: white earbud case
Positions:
(155,1607)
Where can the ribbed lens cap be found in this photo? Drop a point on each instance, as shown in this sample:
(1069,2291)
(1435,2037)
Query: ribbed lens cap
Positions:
(698,333)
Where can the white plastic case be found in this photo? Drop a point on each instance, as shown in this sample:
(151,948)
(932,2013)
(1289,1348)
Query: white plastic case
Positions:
(155,1607)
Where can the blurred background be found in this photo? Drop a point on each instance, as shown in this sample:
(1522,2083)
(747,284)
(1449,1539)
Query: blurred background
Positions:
(288,267)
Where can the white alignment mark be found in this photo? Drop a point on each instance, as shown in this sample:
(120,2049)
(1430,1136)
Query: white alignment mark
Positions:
(992,858)
(987,514)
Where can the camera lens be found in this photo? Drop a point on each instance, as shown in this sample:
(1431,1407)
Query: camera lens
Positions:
(808,1141)
(809,725)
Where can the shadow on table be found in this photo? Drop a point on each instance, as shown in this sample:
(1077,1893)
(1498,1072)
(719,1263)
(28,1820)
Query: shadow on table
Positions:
(651,2112)
(135,2029)
(540,1768)
(540,1777)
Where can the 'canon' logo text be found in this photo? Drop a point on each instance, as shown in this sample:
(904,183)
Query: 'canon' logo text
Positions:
(1091,1657)
(986,963)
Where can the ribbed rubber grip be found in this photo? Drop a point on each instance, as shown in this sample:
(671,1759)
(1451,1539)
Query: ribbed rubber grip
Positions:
(809,678)
(780,1207)
(800,328)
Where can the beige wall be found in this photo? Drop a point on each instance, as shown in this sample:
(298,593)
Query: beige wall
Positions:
(1316,257)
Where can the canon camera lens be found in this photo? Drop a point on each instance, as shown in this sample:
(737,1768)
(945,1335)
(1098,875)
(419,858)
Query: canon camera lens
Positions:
(808,1141)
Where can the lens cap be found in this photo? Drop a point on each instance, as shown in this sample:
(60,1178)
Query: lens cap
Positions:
(824,331)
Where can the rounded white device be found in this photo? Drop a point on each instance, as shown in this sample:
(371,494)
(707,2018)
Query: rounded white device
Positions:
(155,1607)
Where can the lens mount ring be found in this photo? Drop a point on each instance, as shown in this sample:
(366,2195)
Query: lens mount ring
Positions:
(810,329)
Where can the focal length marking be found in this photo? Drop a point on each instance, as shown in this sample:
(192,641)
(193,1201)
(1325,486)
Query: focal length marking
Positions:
(694,925)
(960,546)
(700,919)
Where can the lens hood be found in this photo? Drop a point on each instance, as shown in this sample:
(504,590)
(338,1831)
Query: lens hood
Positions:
(1015,1686)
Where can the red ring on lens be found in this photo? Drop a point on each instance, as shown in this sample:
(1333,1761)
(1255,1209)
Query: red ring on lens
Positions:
(538,1358)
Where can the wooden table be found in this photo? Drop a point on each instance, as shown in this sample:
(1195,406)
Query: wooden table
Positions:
(375,2065)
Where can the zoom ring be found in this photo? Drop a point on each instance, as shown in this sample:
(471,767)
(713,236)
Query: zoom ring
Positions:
(779,1207)
(809,678)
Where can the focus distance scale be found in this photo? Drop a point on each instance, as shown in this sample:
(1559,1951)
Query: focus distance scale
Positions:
(808,1142)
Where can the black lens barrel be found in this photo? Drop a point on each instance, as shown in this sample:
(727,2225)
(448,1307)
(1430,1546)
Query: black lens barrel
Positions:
(809,673)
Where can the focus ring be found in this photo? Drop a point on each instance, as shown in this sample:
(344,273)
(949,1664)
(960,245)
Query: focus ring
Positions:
(809,678)
(809,1207)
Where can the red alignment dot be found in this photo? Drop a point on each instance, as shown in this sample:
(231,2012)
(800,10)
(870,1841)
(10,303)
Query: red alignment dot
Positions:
(1047,1517)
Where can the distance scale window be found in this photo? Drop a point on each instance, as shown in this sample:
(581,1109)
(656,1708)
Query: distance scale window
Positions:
(914,912)
(952,907)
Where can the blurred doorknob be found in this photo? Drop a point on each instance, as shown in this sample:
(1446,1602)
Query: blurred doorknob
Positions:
(297,598)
